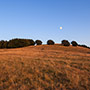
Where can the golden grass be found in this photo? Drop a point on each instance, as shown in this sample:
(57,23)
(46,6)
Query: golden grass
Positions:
(44,67)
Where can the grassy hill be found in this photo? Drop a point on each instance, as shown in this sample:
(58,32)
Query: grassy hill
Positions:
(45,67)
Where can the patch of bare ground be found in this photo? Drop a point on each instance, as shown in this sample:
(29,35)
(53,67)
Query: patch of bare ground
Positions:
(45,67)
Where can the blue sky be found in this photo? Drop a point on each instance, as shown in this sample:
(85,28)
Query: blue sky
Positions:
(41,19)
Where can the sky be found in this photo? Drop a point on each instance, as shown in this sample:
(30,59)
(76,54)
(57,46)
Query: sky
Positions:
(42,19)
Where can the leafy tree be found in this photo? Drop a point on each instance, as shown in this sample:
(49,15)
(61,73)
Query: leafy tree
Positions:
(31,42)
(74,43)
(38,42)
(16,43)
(3,44)
(50,42)
(85,46)
(65,43)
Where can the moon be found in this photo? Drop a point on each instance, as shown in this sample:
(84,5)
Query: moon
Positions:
(61,28)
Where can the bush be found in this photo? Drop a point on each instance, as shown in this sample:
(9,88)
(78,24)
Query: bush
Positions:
(38,42)
(50,42)
(74,43)
(65,43)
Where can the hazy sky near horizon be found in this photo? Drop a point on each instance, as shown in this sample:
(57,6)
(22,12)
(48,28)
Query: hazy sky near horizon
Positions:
(42,19)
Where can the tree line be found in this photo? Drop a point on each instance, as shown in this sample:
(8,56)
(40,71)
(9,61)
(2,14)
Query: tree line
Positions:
(17,43)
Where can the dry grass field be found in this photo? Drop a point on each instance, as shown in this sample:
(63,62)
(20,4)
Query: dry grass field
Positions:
(45,67)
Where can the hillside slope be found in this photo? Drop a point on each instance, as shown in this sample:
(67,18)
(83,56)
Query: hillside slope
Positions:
(45,67)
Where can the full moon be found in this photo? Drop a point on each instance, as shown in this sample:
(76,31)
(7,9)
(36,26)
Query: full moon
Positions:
(60,27)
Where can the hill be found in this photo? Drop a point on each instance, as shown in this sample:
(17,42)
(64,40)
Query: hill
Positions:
(45,67)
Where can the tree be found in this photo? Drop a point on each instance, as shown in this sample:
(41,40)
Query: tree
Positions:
(65,43)
(50,42)
(16,43)
(31,42)
(85,46)
(3,44)
(38,42)
(74,43)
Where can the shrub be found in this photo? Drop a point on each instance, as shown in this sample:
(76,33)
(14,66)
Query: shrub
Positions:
(38,42)
(74,43)
(50,42)
(65,43)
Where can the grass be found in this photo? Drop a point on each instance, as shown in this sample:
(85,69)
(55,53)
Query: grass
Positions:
(45,67)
